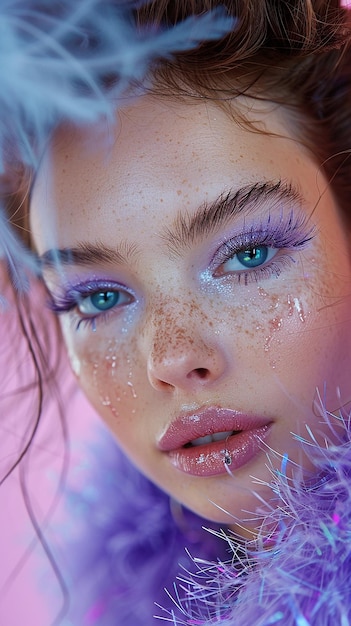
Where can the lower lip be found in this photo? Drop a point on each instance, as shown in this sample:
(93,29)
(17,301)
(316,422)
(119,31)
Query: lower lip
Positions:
(212,459)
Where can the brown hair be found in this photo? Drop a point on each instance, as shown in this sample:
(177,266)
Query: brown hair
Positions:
(294,53)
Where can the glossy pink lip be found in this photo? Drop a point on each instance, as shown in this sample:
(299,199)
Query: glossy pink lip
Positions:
(211,458)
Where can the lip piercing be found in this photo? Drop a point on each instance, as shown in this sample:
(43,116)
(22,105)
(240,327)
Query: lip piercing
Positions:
(227,458)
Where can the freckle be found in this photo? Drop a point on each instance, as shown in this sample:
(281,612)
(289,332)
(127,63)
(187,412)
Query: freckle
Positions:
(276,323)
(179,191)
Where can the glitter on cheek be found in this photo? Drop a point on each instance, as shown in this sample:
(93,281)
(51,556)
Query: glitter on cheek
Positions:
(91,380)
(290,301)
(299,308)
(105,400)
(100,364)
(111,359)
(274,325)
(109,376)
(278,314)
(131,387)
(269,305)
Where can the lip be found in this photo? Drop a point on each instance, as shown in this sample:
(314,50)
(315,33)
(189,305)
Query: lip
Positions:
(209,459)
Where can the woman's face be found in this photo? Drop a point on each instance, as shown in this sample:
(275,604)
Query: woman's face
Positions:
(204,283)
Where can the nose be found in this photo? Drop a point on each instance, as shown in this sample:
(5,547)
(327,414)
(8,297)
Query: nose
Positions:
(184,357)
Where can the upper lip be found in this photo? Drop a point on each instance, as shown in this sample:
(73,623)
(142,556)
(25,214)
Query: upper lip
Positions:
(207,421)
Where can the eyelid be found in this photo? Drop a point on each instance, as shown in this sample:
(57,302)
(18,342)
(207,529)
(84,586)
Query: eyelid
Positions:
(291,232)
(72,294)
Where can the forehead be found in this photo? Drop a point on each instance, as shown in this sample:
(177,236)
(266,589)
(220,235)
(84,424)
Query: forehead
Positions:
(161,156)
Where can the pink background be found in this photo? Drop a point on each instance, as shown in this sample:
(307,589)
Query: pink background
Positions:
(29,593)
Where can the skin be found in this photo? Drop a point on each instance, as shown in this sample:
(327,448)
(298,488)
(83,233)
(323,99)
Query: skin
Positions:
(189,336)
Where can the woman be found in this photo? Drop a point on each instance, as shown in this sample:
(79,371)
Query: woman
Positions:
(200,266)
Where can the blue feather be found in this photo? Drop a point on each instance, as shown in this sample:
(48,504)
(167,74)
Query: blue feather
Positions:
(55,56)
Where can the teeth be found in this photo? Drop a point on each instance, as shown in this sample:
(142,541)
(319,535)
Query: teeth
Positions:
(220,436)
(201,440)
(211,438)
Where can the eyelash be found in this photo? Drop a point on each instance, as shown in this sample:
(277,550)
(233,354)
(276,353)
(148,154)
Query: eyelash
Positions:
(291,233)
(70,300)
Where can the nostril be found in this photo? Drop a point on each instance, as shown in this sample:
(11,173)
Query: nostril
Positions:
(185,366)
(199,372)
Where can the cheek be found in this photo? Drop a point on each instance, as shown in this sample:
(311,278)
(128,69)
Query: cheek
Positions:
(293,337)
(266,321)
(107,373)
(282,318)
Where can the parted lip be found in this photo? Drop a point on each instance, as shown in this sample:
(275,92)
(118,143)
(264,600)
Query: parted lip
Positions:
(207,421)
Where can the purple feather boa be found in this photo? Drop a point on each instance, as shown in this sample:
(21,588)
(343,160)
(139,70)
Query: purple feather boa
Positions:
(123,541)
(132,547)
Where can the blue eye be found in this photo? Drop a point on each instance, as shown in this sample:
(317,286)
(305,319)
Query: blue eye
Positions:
(250,258)
(103,300)
(253,256)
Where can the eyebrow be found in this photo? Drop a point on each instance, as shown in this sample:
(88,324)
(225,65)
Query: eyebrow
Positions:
(186,228)
(88,254)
